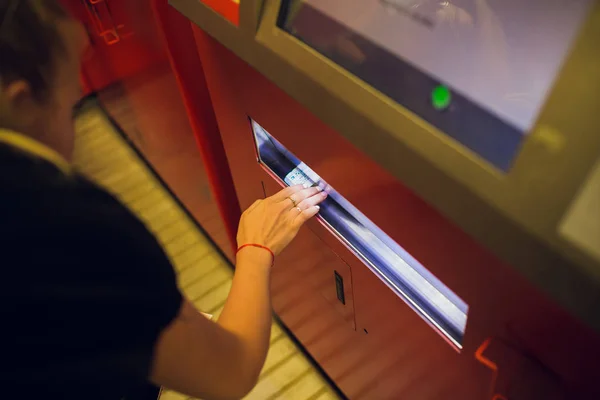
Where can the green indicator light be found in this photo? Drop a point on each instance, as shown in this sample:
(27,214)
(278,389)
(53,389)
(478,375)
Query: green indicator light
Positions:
(441,97)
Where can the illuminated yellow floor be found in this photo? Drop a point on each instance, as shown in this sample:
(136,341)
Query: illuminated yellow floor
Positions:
(204,277)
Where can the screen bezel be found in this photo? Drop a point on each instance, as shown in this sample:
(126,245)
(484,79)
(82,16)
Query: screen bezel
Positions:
(553,160)
(514,214)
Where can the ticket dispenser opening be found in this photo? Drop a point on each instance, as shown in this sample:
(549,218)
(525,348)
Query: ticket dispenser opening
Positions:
(403,274)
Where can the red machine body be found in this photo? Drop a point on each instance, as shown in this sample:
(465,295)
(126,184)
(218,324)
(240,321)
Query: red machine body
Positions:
(148,81)
(124,40)
(517,343)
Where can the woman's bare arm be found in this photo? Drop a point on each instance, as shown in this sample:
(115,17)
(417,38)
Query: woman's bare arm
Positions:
(223,360)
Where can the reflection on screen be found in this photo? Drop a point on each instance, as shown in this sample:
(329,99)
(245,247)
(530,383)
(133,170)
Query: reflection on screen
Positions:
(429,297)
(499,58)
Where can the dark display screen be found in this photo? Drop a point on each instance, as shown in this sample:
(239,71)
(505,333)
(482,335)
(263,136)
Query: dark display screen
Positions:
(478,70)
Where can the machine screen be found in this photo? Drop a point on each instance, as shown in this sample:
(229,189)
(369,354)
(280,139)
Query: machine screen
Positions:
(420,289)
(479,70)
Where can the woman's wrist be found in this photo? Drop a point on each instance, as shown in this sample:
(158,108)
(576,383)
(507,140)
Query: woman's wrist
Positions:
(254,255)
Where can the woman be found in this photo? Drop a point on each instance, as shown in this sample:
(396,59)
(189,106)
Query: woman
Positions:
(78,321)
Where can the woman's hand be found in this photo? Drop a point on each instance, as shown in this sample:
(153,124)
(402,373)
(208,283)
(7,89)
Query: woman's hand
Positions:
(275,221)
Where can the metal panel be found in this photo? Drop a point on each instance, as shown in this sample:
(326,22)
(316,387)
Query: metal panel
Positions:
(393,353)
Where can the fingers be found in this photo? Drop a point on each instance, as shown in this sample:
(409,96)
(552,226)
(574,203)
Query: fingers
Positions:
(305,215)
(299,196)
(312,200)
(286,192)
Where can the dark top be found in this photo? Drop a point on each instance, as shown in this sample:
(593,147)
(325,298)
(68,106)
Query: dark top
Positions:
(86,289)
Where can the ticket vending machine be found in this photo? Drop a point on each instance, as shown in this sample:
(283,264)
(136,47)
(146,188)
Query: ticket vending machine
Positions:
(388,292)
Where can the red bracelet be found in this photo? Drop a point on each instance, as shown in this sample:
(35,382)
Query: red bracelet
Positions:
(260,246)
